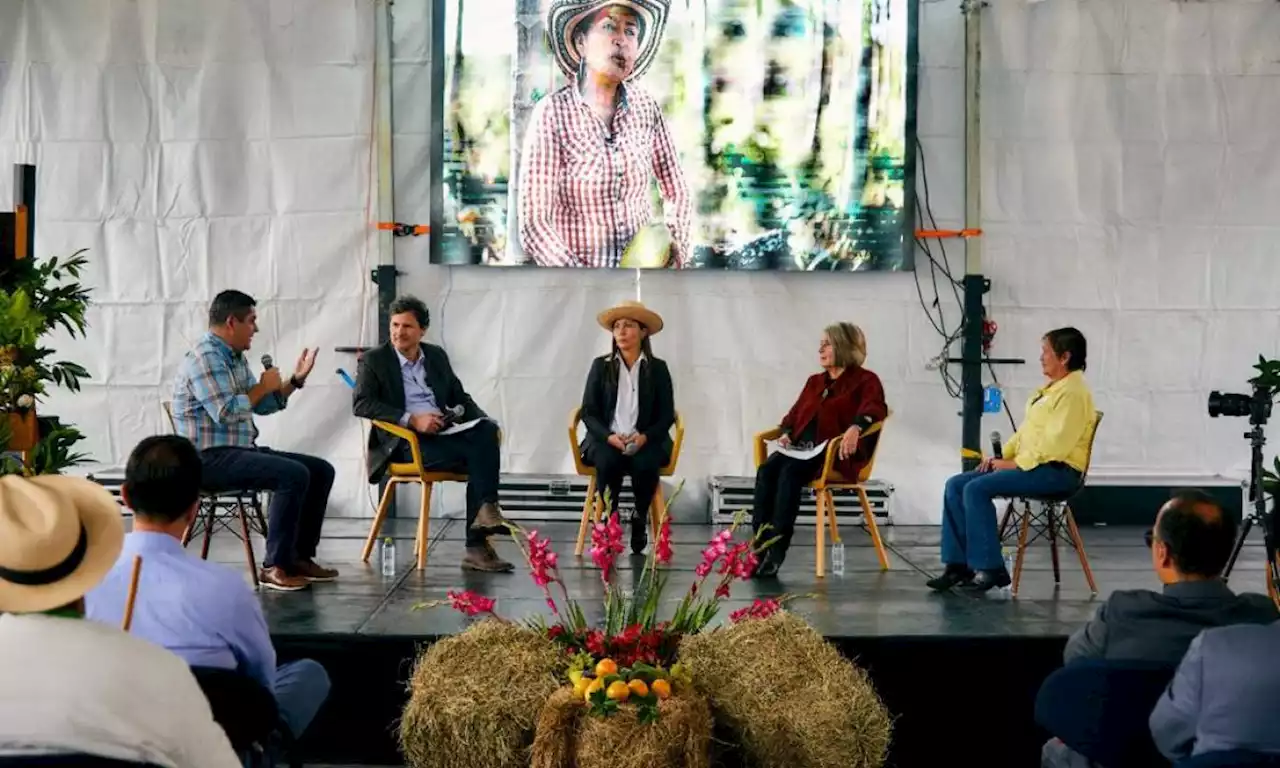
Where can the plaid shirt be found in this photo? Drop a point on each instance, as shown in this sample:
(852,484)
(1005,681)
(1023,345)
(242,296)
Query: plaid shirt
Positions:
(585,188)
(210,397)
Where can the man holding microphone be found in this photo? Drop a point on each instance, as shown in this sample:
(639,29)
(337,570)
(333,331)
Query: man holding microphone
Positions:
(215,398)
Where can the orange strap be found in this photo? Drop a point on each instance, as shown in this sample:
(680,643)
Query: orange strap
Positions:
(20,232)
(402,230)
(940,233)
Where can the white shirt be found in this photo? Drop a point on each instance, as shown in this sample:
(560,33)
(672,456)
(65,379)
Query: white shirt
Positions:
(77,686)
(627,409)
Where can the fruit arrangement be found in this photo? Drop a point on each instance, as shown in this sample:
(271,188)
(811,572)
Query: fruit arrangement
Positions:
(606,687)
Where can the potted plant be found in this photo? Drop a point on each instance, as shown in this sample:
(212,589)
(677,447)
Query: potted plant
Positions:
(36,299)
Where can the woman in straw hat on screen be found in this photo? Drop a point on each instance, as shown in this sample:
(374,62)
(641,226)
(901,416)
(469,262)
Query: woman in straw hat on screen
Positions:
(593,148)
(72,686)
(628,408)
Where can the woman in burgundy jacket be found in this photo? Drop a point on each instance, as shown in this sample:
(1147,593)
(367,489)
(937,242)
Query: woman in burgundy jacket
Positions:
(837,404)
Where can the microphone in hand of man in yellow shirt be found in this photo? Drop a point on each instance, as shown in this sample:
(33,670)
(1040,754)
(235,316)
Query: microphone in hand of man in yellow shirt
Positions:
(1047,455)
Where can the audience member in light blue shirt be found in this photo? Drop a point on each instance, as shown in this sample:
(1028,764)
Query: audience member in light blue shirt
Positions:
(203,612)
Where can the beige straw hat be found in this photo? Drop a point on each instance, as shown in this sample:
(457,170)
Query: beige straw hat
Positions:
(632,310)
(59,535)
(563,17)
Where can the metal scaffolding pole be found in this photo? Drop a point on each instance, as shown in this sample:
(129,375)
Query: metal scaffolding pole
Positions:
(975,284)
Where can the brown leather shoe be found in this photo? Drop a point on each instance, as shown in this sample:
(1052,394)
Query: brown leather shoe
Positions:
(311,571)
(485,559)
(489,517)
(275,578)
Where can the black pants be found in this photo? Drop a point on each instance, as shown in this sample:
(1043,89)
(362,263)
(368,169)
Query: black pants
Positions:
(474,452)
(299,486)
(612,465)
(777,497)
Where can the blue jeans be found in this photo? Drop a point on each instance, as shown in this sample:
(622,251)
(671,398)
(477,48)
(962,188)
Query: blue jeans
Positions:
(301,687)
(969,535)
(299,486)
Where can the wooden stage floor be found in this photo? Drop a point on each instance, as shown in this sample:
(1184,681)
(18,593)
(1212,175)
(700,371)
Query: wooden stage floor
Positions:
(864,602)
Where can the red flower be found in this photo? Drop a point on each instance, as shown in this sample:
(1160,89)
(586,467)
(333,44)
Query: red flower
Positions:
(595,643)
(760,609)
(606,545)
(662,550)
(470,603)
(554,632)
(542,561)
(722,591)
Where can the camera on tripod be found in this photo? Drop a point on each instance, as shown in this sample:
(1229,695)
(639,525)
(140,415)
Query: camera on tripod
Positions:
(1256,406)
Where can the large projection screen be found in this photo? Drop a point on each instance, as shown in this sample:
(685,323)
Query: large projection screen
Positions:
(694,134)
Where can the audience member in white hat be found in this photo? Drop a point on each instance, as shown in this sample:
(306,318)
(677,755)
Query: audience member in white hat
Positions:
(75,687)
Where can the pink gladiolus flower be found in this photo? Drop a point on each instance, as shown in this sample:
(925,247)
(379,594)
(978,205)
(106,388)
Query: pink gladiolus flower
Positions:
(662,550)
(470,603)
(703,569)
(722,591)
(760,609)
(542,561)
(606,545)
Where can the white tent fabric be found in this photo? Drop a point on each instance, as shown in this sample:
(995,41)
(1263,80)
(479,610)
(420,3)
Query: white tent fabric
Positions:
(1131,178)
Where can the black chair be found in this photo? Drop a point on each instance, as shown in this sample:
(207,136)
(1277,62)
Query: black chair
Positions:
(1100,709)
(246,711)
(1054,521)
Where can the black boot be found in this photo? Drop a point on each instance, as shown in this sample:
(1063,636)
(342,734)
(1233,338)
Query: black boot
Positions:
(770,562)
(997,578)
(639,533)
(954,575)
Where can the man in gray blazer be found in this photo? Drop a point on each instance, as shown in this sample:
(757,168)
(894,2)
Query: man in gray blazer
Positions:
(1190,545)
(1223,696)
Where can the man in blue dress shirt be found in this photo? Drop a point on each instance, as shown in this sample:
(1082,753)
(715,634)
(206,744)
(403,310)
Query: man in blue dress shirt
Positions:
(201,611)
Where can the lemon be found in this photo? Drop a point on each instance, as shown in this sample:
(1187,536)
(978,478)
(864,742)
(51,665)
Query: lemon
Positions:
(580,687)
(575,676)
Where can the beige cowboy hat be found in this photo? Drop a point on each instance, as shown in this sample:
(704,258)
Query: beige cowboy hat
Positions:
(632,310)
(59,536)
(564,16)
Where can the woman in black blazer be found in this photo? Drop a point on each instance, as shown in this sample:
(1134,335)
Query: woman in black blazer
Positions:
(628,408)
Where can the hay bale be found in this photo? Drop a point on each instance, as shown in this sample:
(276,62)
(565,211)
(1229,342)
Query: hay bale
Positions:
(787,696)
(474,698)
(568,737)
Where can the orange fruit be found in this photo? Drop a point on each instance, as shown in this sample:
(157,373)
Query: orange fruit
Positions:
(606,667)
(638,687)
(618,691)
(594,686)
(662,689)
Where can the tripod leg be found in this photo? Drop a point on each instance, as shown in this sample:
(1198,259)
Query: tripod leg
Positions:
(1235,551)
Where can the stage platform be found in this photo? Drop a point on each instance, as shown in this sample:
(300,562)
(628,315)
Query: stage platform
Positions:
(958,672)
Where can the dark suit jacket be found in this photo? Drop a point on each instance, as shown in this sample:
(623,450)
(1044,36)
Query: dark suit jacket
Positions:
(657,410)
(1158,626)
(857,397)
(379,395)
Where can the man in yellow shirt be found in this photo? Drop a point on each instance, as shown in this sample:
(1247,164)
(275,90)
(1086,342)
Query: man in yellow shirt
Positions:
(1047,455)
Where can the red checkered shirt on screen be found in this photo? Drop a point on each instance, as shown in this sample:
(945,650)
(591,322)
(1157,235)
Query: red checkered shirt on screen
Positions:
(584,193)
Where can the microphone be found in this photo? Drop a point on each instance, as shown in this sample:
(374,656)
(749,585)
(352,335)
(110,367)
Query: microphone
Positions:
(996,448)
(452,414)
(267,362)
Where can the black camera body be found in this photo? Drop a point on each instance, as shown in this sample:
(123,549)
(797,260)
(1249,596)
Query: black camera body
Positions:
(1256,406)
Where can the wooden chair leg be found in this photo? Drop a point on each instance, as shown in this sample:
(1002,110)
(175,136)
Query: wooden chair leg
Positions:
(210,520)
(657,511)
(588,512)
(873,528)
(424,526)
(383,506)
(1023,526)
(248,542)
(1076,541)
(820,561)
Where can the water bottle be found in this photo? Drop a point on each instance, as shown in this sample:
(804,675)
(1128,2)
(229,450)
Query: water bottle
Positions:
(837,558)
(388,557)
(1007,590)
